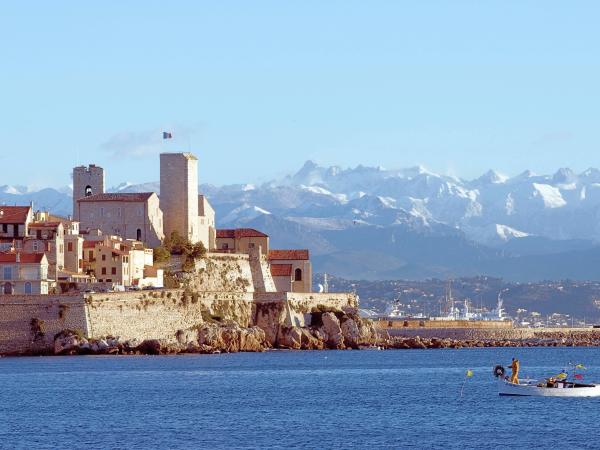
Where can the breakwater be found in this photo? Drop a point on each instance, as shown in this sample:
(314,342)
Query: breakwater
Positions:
(407,338)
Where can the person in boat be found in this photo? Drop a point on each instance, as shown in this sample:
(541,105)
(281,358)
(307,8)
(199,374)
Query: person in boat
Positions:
(514,366)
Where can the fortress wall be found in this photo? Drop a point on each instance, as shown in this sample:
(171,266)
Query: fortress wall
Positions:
(222,273)
(160,314)
(29,323)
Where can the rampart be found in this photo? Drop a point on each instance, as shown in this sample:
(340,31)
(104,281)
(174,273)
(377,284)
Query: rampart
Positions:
(29,323)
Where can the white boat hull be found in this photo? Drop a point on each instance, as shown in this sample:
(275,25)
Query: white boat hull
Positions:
(507,388)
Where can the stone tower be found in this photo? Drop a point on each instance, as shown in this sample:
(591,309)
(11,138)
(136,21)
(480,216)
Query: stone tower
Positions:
(86,181)
(179,194)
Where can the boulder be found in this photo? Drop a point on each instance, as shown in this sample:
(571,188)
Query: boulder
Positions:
(351,332)
(66,342)
(332,331)
(253,340)
(149,347)
(289,337)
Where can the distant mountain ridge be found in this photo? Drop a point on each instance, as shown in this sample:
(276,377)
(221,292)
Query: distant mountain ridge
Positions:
(412,223)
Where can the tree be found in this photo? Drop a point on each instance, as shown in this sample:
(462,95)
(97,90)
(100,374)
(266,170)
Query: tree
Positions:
(161,254)
(198,251)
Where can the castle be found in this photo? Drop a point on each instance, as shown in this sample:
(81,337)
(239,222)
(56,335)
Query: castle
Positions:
(141,216)
(181,208)
(108,243)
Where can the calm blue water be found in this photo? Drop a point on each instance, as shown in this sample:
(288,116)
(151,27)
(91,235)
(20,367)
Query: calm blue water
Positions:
(342,399)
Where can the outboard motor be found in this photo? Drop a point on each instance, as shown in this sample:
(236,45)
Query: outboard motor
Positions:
(499,371)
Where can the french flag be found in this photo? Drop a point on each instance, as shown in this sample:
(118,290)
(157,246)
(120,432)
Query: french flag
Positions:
(167,135)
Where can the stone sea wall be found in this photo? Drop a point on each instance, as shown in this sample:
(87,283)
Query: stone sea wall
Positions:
(172,316)
(29,323)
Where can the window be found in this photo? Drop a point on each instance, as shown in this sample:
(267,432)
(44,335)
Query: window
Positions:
(104,271)
(5,228)
(119,211)
(70,246)
(27,287)
(298,275)
(113,271)
(8,273)
(103,257)
(91,255)
(225,247)
(35,246)
(138,234)
(101,212)
(8,288)
(88,191)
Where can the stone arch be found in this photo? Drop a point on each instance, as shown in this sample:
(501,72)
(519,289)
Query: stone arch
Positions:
(88,191)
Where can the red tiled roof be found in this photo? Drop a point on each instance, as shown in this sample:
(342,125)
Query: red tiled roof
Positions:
(90,244)
(240,233)
(118,197)
(275,255)
(25,258)
(44,224)
(14,214)
(281,270)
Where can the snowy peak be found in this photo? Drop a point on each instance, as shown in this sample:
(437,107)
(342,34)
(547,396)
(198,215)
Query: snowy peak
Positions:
(564,176)
(492,177)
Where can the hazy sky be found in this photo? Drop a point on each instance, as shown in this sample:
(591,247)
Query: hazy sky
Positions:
(255,88)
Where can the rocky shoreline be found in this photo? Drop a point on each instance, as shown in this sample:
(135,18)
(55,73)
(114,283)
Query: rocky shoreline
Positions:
(333,330)
(231,338)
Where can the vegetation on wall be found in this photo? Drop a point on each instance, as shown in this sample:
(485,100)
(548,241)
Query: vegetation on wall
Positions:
(175,244)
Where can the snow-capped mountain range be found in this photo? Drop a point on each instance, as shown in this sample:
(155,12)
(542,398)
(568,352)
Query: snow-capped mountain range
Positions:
(376,223)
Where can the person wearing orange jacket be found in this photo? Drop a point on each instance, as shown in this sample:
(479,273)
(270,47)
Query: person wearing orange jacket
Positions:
(514,366)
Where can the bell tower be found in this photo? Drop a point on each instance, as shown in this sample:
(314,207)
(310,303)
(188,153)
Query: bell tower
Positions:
(87,181)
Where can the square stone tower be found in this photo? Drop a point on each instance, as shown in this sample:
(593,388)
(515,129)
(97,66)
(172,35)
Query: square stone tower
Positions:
(179,194)
(87,181)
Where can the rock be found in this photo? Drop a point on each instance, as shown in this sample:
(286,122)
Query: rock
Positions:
(253,340)
(65,342)
(289,337)
(230,337)
(351,333)
(187,337)
(149,347)
(332,331)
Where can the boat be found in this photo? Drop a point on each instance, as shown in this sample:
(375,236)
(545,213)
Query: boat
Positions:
(548,387)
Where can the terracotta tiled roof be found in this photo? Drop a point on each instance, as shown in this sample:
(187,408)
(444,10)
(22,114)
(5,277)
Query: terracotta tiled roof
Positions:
(90,244)
(118,197)
(44,224)
(14,214)
(282,255)
(25,258)
(240,233)
(281,270)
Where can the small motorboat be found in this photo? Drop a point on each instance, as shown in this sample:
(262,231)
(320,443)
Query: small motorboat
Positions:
(549,387)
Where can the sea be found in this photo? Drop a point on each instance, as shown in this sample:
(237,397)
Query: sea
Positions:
(289,399)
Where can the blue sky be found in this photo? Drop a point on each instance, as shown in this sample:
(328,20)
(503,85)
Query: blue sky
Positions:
(255,88)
